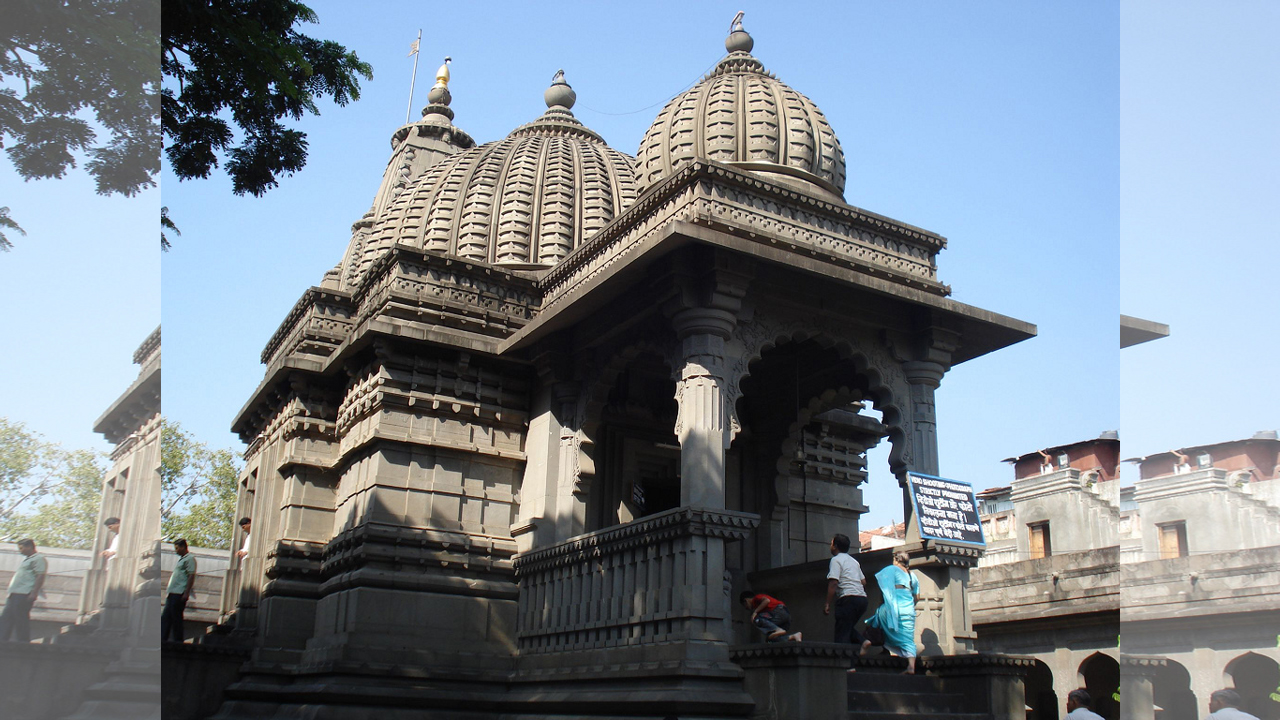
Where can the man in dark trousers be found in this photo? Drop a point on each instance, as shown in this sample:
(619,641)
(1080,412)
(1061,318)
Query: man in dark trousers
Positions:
(24,588)
(178,592)
(847,586)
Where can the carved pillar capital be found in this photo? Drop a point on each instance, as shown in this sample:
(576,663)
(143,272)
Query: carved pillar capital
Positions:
(924,372)
(712,321)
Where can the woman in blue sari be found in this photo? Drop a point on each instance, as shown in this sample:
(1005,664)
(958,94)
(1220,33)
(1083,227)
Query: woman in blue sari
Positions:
(896,616)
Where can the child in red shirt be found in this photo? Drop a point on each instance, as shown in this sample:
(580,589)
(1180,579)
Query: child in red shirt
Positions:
(770,615)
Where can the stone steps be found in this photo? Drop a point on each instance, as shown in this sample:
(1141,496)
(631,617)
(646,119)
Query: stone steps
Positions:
(879,690)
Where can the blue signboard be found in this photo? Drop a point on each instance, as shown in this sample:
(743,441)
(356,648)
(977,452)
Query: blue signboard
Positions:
(945,509)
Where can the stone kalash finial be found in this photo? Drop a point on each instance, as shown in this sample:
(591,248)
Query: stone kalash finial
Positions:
(439,96)
(559,95)
(738,40)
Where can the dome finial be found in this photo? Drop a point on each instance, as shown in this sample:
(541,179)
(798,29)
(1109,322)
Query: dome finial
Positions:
(439,93)
(560,94)
(738,40)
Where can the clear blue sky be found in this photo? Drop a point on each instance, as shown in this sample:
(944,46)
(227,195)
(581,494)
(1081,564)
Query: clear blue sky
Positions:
(1081,161)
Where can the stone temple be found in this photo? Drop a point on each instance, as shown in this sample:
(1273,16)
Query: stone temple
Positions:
(518,452)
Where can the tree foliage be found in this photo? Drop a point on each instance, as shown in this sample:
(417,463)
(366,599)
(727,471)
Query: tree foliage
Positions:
(166,224)
(199,489)
(47,493)
(8,223)
(71,56)
(243,59)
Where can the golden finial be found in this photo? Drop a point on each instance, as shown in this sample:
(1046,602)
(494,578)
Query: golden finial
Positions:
(442,75)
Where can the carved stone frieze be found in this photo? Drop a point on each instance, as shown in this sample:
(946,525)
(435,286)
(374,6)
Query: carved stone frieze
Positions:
(762,212)
(318,322)
(840,238)
(418,290)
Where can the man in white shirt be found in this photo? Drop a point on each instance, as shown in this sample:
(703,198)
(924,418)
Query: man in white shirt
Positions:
(113,524)
(1225,705)
(24,588)
(246,525)
(1078,702)
(847,586)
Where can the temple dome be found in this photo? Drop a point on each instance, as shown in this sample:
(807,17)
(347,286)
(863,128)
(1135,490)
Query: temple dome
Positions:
(741,114)
(525,201)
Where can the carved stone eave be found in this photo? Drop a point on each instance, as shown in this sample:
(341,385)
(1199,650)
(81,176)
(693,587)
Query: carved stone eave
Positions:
(148,347)
(694,206)
(291,324)
(952,554)
(138,403)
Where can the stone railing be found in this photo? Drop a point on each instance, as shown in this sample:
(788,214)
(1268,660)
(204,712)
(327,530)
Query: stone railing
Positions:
(657,580)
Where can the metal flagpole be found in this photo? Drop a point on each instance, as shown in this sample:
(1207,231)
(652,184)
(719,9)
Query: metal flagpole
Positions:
(413,50)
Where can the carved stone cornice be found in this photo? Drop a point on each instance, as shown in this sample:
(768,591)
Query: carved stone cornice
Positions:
(292,324)
(148,346)
(940,553)
(762,211)
(1143,664)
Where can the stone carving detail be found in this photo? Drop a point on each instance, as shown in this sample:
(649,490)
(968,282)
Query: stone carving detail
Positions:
(742,113)
(557,286)
(775,217)
(888,382)
(530,198)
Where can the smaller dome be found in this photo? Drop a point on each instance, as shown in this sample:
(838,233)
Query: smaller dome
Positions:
(522,202)
(742,115)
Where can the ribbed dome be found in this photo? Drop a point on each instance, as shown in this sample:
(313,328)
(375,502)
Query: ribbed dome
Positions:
(527,200)
(740,113)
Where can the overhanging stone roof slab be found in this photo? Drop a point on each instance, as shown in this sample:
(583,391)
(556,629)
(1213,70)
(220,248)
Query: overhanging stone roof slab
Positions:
(693,207)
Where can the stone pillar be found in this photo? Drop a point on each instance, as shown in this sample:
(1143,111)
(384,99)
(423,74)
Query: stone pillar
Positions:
(943,622)
(924,377)
(547,510)
(1137,698)
(703,425)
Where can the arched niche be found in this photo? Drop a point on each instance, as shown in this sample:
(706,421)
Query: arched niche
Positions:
(1100,675)
(1257,678)
(1172,694)
(1042,701)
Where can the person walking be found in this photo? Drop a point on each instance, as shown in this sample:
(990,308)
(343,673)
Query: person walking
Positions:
(1225,705)
(24,588)
(1078,702)
(769,615)
(178,593)
(896,616)
(847,587)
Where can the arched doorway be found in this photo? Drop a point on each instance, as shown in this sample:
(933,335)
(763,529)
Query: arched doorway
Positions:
(800,455)
(1042,701)
(1172,694)
(636,453)
(1100,675)
(1257,679)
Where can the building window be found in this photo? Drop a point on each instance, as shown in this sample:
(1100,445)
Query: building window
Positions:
(1173,539)
(1040,545)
